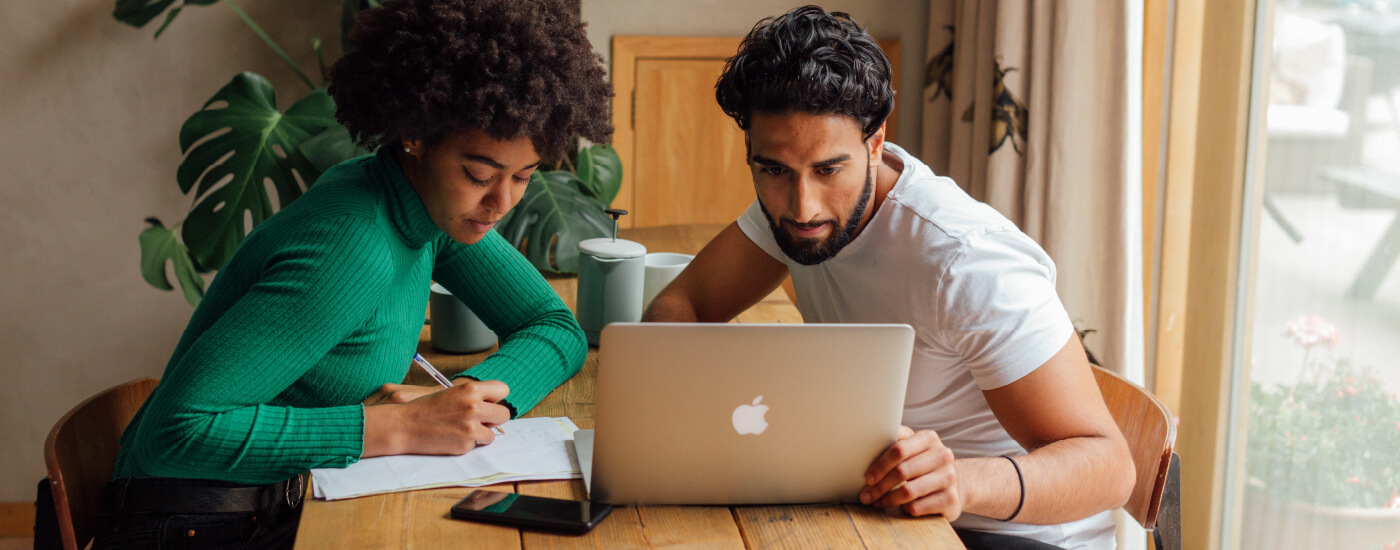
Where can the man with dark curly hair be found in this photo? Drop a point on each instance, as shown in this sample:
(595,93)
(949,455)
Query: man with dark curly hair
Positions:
(290,361)
(1006,433)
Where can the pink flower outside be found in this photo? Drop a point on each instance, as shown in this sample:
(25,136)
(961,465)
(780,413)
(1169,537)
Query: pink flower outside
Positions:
(1311,330)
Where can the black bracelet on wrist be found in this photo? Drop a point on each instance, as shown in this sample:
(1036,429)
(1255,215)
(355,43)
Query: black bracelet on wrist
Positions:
(1021,479)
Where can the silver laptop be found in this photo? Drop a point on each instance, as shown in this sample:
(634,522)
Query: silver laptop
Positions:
(744,413)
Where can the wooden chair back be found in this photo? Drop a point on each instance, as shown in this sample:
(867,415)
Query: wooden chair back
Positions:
(82,451)
(1151,433)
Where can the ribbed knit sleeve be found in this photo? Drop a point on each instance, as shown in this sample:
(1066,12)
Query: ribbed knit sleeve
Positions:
(209,418)
(542,345)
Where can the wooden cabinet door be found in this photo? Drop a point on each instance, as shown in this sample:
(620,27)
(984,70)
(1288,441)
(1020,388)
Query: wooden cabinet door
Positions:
(683,159)
(689,161)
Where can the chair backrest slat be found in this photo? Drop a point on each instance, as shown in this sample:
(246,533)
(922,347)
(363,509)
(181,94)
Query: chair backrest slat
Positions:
(1151,433)
(81,452)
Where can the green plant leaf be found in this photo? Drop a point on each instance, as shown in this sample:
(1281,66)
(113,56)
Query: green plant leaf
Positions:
(330,148)
(139,12)
(169,16)
(551,219)
(233,150)
(600,170)
(160,245)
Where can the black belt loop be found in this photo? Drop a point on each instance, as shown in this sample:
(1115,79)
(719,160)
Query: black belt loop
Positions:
(122,485)
(118,489)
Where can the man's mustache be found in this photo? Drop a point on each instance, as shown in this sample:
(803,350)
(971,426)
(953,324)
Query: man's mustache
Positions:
(809,225)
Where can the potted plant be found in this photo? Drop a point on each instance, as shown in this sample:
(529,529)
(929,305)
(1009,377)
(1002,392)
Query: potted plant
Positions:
(240,139)
(1323,453)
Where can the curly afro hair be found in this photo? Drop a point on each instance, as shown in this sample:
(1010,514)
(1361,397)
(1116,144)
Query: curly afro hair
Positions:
(425,69)
(808,60)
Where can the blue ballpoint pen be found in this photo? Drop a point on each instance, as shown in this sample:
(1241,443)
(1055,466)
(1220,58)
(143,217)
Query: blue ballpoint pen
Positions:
(433,372)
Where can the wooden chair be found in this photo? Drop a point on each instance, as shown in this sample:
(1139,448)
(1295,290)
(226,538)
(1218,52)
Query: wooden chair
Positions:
(82,451)
(1151,433)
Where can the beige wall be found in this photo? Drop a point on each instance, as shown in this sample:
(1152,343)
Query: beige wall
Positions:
(89,114)
(906,20)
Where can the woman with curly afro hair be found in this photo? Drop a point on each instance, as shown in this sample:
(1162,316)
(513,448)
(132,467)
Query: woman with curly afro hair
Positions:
(291,360)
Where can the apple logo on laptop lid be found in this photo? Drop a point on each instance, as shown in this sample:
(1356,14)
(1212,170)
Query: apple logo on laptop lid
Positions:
(748,419)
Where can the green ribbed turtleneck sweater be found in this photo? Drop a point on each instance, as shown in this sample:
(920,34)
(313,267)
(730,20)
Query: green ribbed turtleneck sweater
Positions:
(320,306)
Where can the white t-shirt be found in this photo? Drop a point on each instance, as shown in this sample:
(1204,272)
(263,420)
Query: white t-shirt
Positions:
(980,295)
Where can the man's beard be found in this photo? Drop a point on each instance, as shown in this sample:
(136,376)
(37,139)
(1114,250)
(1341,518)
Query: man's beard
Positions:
(806,252)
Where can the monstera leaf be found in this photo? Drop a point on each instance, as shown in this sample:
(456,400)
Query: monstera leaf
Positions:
(160,245)
(551,219)
(600,171)
(234,147)
(330,148)
(139,12)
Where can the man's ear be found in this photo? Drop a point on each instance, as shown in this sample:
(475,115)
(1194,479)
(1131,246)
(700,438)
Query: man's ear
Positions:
(876,145)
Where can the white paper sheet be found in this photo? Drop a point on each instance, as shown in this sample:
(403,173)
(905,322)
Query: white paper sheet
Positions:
(530,449)
(583,447)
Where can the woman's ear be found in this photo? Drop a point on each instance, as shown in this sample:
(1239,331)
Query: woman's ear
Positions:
(413,147)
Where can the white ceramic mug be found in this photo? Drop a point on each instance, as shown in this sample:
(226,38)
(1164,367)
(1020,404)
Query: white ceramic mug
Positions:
(661,269)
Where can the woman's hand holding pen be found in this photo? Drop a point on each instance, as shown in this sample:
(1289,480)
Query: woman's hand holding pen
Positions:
(445,421)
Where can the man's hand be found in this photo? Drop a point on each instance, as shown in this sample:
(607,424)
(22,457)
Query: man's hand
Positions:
(916,474)
(450,421)
(398,394)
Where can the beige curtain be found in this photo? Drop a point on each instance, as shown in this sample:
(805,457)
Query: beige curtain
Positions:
(1033,106)
(1027,105)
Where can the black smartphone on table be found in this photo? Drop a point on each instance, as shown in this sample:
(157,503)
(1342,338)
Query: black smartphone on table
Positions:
(516,510)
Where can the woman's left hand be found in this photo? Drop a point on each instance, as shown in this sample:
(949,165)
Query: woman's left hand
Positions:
(398,394)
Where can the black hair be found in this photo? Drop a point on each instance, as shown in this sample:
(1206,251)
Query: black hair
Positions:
(812,61)
(424,69)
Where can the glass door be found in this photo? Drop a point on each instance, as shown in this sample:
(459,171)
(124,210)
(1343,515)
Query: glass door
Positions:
(1316,435)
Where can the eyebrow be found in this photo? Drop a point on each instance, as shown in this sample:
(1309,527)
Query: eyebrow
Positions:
(765,161)
(492,162)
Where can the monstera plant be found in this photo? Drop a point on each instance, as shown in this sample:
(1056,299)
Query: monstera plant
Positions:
(562,207)
(239,142)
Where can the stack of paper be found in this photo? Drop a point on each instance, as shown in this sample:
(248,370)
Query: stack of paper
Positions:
(529,449)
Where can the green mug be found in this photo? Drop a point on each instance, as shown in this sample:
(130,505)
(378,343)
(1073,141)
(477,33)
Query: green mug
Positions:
(454,328)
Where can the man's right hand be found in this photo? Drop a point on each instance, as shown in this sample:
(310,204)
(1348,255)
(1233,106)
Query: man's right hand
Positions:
(448,422)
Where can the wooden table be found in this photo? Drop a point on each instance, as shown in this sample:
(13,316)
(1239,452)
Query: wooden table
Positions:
(419,519)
